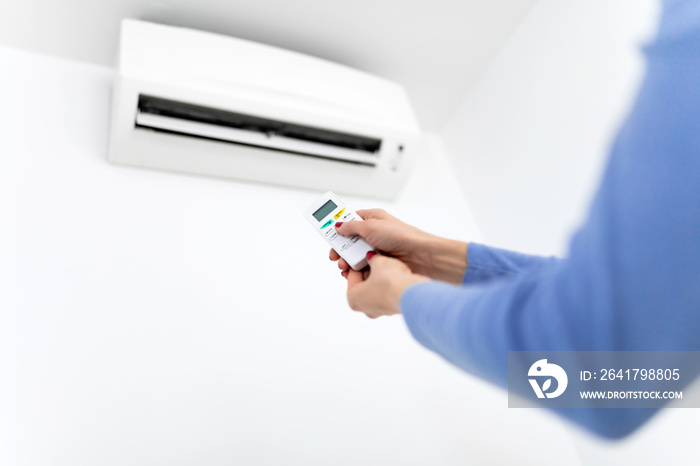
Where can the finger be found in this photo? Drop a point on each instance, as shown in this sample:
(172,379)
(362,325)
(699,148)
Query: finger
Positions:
(344,273)
(371,255)
(375,260)
(354,278)
(354,294)
(343,265)
(352,228)
(334,256)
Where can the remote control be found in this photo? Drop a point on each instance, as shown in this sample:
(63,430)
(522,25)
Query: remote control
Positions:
(323,214)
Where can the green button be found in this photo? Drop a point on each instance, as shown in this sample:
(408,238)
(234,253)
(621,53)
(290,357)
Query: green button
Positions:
(328,223)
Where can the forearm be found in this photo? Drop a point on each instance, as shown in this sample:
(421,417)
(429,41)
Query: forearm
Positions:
(475,327)
(444,259)
(459,262)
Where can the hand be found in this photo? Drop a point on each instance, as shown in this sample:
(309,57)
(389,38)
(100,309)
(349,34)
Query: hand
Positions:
(423,253)
(377,290)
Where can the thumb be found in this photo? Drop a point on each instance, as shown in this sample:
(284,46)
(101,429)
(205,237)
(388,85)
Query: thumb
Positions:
(376,260)
(351,228)
(386,266)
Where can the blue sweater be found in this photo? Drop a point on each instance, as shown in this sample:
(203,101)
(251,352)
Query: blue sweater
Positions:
(631,280)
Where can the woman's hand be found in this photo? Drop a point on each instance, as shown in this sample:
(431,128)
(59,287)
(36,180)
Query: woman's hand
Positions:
(377,290)
(423,253)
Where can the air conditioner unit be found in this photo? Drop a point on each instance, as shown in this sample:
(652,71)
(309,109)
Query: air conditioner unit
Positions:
(208,104)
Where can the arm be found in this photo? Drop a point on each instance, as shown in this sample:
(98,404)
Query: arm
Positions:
(435,257)
(632,278)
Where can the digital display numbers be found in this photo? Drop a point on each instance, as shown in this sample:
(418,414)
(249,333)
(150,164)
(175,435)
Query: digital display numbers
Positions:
(325,209)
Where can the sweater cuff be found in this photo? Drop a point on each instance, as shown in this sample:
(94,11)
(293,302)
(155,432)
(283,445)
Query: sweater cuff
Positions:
(485,263)
(478,264)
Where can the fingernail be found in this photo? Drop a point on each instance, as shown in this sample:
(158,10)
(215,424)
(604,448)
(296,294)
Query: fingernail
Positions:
(339,224)
(370,255)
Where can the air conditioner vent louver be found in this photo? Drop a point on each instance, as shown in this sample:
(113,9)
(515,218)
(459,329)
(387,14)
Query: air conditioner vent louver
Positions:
(238,128)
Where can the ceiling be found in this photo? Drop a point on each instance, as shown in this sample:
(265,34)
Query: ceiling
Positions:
(436,49)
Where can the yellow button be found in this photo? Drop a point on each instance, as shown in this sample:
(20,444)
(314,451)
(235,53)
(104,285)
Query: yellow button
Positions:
(337,216)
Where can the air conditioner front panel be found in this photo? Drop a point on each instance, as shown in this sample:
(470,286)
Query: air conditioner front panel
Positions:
(232,130)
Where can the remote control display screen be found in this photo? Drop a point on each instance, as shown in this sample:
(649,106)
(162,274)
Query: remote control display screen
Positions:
(325,209)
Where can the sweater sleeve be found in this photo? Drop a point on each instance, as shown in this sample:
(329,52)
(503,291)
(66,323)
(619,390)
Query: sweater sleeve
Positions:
(486,263)
(631,280)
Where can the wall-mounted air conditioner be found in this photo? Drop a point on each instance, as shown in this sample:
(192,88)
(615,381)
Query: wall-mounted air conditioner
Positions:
(203,103)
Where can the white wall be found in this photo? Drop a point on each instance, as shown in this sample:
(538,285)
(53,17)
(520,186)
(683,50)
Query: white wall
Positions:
(153,318)
(530,138)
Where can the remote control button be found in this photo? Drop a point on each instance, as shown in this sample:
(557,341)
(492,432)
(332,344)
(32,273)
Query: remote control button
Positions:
(327,224)
(333,235)
(339,213)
